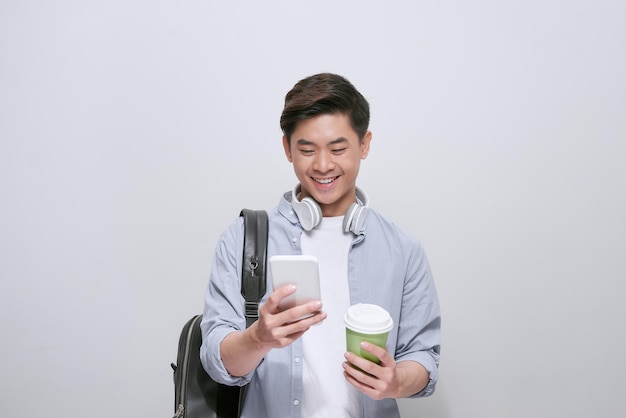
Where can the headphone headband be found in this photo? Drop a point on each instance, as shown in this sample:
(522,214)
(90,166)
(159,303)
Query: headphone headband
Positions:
(310,214)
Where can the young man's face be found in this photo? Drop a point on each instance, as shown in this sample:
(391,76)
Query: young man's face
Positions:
(326,156)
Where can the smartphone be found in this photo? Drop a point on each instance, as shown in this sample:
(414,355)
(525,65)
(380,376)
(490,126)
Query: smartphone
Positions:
(301,271)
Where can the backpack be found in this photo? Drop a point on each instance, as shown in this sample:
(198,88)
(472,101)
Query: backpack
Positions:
(196,395)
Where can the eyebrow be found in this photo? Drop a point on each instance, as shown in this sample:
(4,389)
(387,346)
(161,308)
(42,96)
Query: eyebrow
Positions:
(306,142)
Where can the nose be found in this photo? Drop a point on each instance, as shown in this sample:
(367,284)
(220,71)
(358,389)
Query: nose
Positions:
(323,162)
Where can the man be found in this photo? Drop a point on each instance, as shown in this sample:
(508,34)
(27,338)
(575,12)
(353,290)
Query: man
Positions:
(299,368)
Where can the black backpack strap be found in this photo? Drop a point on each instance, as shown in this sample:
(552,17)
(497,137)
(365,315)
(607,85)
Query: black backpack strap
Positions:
(254,261)
(253,270)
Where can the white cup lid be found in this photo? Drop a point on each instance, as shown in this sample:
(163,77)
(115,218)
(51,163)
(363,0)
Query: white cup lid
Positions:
(368,319)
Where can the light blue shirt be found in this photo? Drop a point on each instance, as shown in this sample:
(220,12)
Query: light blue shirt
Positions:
(386,266)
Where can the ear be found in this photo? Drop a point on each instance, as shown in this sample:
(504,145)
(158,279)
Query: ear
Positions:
(287,149)
(365,144)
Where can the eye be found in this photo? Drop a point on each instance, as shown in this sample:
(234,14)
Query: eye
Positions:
(338,150)
(306,151)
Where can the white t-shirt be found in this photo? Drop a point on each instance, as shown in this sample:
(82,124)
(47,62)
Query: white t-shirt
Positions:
(326,393)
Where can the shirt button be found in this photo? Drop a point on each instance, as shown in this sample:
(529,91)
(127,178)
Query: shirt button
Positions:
(297,359)
(296,402)
(294,239)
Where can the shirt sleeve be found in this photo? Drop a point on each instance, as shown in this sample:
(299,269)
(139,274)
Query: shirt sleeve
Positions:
(421,319)
(223,304)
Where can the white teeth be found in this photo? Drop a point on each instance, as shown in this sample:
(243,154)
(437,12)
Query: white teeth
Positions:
(325,181)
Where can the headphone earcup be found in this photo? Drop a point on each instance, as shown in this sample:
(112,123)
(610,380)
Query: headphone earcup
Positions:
(354,219)
(347,219)
(309,213)
(358,221)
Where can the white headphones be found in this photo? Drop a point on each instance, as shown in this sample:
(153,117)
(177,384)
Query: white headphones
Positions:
(310,214)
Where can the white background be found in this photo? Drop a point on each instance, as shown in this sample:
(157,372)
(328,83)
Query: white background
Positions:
(132,132)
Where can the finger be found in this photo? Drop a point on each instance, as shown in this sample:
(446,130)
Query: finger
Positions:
(369,378)
(296,325)
(381,353)
(358,378)
(288,333)
(304,311)
(284,327)
(370,391)
(363,366)
(271,305)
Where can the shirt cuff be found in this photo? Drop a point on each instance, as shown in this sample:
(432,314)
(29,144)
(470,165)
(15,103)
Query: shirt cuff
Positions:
(426,359)
(213,363)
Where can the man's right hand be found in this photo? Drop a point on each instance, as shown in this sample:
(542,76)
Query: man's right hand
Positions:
(276,328)
(242,351)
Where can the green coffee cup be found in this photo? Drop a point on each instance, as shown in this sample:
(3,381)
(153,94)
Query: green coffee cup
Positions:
(367,322)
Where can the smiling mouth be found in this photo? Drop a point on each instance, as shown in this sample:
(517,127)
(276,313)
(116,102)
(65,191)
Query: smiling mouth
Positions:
(325,180)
